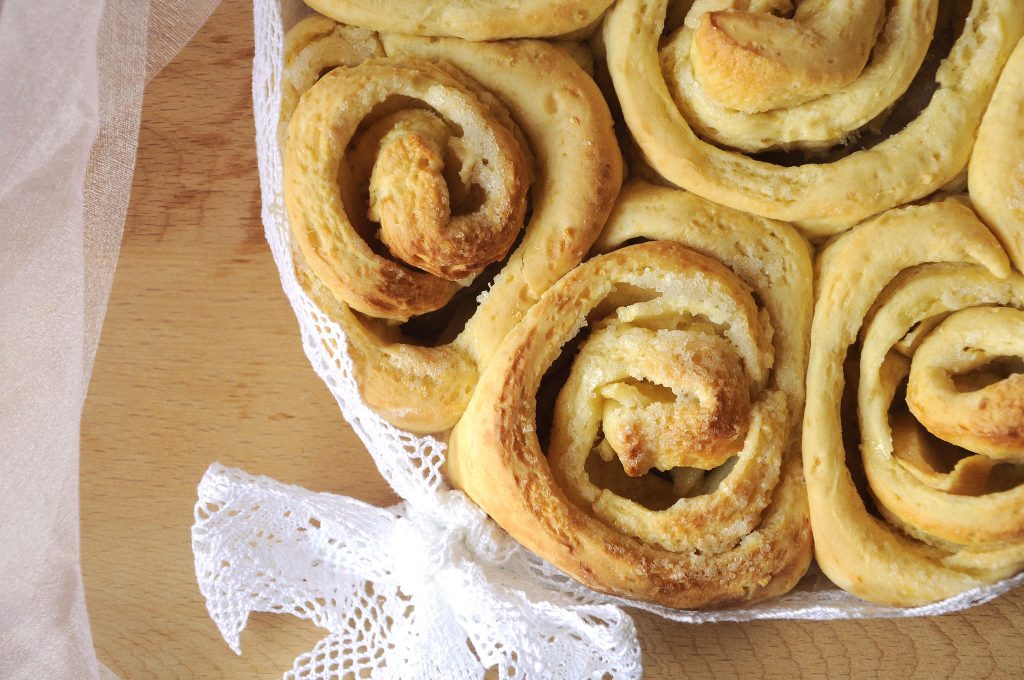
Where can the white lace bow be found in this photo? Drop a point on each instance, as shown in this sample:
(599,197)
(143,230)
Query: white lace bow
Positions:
(403,593)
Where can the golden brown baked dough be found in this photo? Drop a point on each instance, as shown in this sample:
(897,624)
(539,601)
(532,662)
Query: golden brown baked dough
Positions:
(673,469)
(823,48)
(467,19)
(922,299)
(996,172)
(710,76)
(315,46)
(433,148)
(752,82)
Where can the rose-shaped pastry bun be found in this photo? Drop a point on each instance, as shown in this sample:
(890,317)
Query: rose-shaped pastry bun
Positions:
(443,186)
(726,82)
(920,317)
(672,470)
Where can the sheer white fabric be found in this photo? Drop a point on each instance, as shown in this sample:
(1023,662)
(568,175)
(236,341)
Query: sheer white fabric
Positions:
(431,587)
(72,75)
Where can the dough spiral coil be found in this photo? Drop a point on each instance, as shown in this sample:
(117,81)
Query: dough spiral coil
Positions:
(408,192)
(409,172)
(673,468)
(937,316)
(728,82)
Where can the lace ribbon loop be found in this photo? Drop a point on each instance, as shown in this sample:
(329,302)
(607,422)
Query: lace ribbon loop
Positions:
(404,593)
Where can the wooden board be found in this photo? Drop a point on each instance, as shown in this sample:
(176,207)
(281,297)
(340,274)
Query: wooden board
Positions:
(201,361)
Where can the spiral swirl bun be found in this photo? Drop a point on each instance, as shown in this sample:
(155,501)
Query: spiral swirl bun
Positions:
(408,190)
(672,472)
(408,175)
(733,78)
(938,314)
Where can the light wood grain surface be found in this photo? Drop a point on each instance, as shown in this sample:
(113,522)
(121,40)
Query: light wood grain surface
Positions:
(200,361)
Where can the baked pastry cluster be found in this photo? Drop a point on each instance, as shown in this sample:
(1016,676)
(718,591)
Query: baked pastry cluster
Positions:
(820,199)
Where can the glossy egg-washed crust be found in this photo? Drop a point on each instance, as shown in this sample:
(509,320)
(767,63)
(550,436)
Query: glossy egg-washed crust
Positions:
(532,114)
(704,254)
(467,19)
(938,299)
(666,110)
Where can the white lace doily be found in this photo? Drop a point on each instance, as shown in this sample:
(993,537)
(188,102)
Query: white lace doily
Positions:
(431,587)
